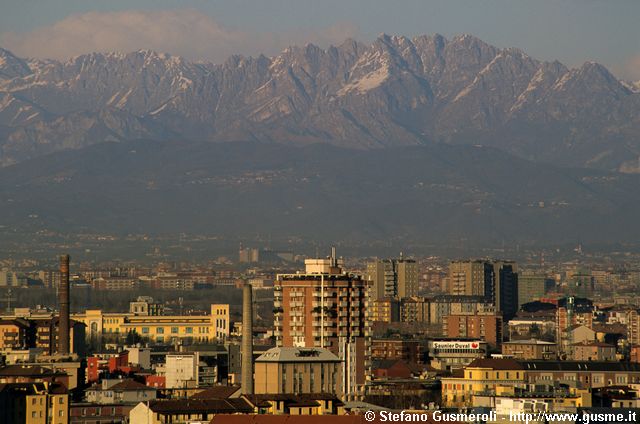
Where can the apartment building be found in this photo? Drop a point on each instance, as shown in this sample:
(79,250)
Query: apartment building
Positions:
(325,307)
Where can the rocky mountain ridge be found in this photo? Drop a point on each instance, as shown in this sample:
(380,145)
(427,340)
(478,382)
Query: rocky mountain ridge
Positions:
(394,92)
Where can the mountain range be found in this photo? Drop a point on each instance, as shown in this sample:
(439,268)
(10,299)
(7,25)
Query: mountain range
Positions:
(426,141)
(393,92)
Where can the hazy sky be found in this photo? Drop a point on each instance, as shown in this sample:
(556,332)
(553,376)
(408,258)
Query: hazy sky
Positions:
(572,31)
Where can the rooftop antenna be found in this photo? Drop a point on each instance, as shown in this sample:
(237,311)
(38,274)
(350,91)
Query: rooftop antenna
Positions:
(9,298)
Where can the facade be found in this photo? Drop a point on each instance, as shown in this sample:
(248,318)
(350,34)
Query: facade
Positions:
(385,310)
(393,278)
(471,278)
(441,306)
(487,377)
(16,333)
(593,351)
(34,403)
(414,309)
(450,354)
(413,351)
(531,286)
(187,410)
(157,328)
(144,305)
(118,391)
(589,374)
(326,308)
(493,280)
(505,292)
(293,370)
(91,413)
(181,370)
(25,331)
(482,376)
(526,328)
(487,327)
(530,349)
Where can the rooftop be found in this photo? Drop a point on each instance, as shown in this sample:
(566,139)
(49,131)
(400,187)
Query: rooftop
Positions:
(297,354)
(528,342)
(190,406)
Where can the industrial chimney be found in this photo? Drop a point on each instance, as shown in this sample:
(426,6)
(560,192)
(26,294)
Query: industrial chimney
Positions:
(63,293)
(247,339)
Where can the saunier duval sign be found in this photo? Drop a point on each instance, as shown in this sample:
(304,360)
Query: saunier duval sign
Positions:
(456,345)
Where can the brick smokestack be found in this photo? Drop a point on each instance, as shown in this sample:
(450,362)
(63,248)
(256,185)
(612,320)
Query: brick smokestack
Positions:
(63,299)
(247,339)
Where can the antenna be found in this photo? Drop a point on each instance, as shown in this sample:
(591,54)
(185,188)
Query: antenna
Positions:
(8,298)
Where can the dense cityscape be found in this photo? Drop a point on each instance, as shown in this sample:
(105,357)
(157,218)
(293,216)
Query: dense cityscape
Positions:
(265,332)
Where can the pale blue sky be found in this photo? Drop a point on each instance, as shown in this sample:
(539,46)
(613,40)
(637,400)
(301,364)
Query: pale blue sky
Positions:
(572,31)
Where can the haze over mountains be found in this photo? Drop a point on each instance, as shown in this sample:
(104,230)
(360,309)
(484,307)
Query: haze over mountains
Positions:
(423,139)
(394,92)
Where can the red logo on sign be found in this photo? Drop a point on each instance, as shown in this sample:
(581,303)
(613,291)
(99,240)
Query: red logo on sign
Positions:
(474,345)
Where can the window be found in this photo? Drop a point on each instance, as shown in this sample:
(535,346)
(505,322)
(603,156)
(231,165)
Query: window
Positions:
(61,400)
(189,330)
(174,330)
(160,330)
(145,330)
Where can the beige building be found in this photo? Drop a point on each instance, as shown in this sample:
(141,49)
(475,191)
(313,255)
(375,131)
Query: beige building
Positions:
(384,310)
(294,370)
(530,349)
(594,351)
(471,278)
(181,370)
(34,403)
(157,328)
(393,278)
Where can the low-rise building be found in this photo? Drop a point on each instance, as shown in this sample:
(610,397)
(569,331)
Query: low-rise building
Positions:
(91,413)
(530,349)
(114,391)
(34,403)
(187,410)
(294,370)
(482,376)
(299,404)
(593,351)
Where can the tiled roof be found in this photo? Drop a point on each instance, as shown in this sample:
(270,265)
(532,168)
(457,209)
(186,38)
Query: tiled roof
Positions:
(581,366)
(216,392)
(26,371)
(531,341)
(211,406)
(130,385)
(295,400)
